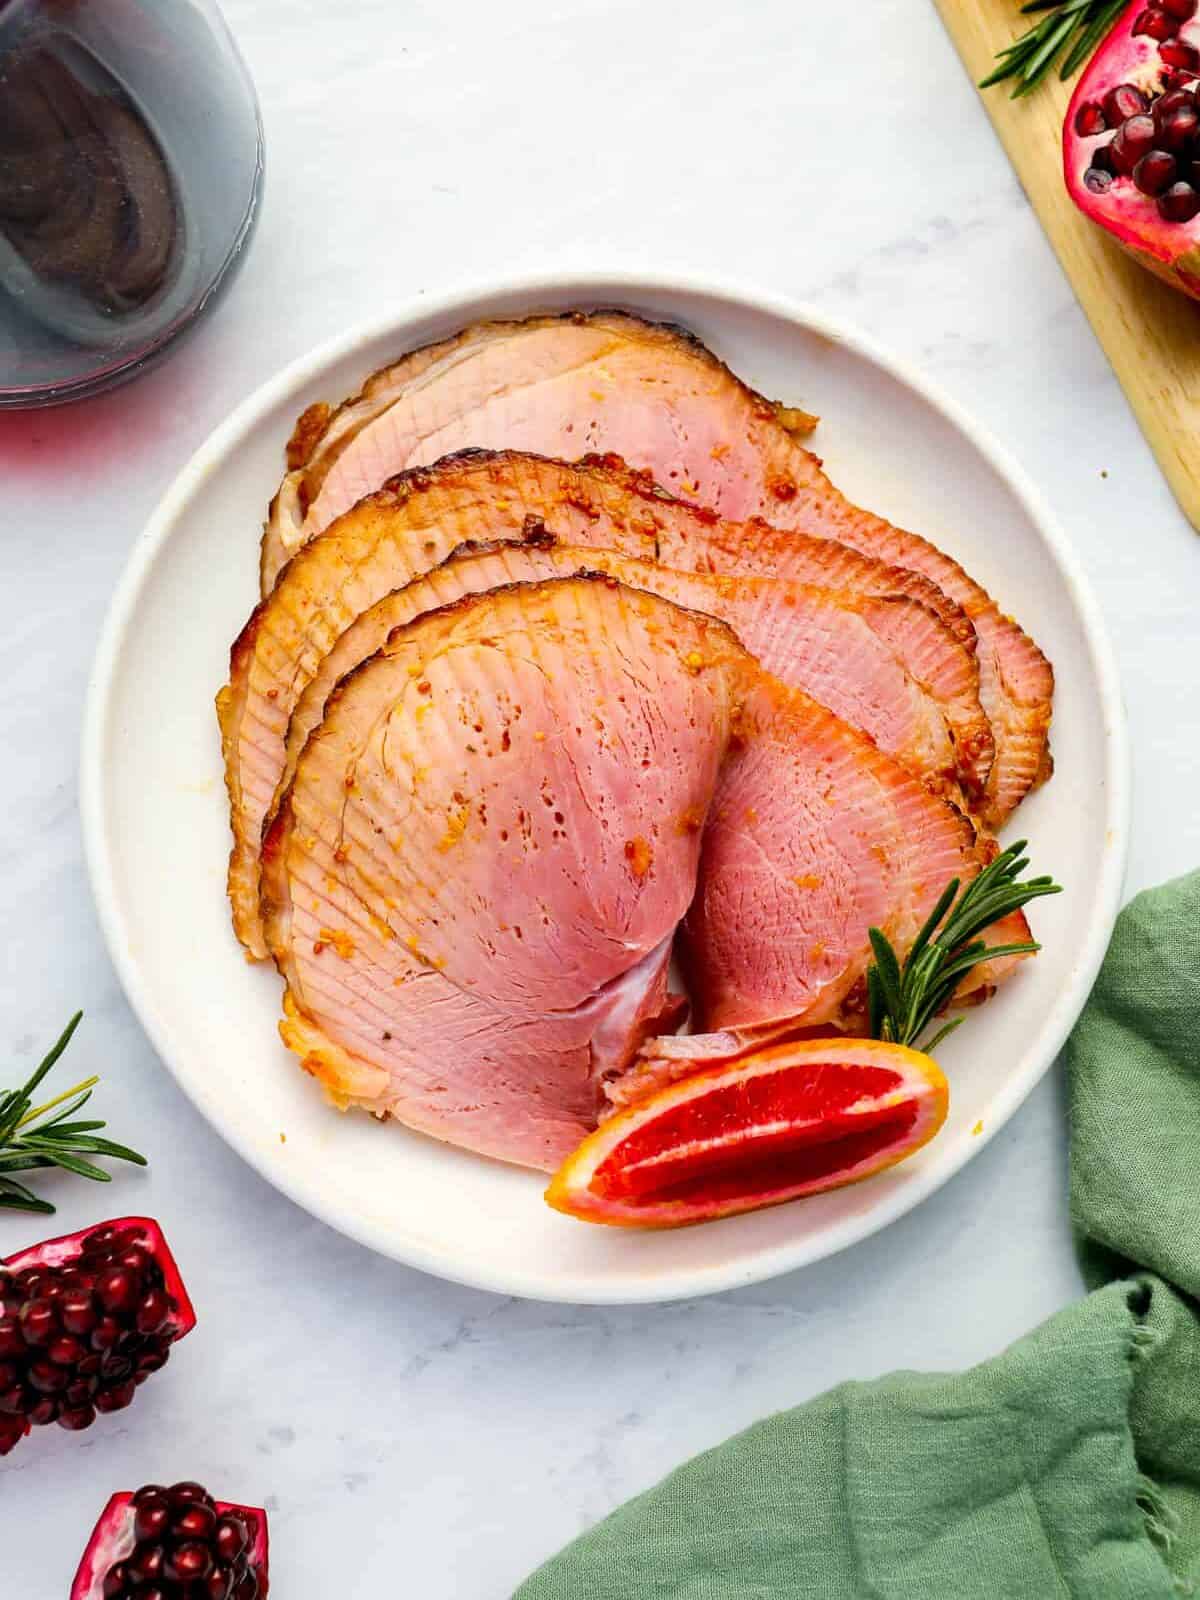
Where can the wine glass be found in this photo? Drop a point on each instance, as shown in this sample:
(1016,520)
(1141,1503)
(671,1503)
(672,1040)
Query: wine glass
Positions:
(131,160)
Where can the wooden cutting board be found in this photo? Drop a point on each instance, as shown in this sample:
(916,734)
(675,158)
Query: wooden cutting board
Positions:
(1150,332)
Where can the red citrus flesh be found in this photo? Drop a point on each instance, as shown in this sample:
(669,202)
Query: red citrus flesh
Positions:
(791,1120)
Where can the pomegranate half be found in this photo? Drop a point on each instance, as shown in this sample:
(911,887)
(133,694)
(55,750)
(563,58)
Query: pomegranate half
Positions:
(1131,141)
(174,1544)
(85,1319)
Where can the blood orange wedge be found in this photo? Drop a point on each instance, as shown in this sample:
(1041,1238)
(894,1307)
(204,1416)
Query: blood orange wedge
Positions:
(790,1120)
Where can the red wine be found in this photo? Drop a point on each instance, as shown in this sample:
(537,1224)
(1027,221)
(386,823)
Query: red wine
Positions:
(88,206)
(130,159)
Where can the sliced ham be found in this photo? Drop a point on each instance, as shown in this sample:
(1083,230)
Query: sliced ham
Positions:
(864,656)
(402,532)
(476,873)
(652,393)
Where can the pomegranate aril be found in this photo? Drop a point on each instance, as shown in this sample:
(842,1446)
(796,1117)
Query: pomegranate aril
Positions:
(1090,120)
(231,1538)
(76,1418)
(218,1584)
(1171,101)
(39,1321)
(1180,203)
(65,1351)
(1134,139)
(195,1522)
(1122,102)
(1183,57)
(189,1494)
(105,1334)
(189,1563)
(78,1311)
(149,1562)
(117,1290)
(1156,25)
(1155,172)
(46,1378)
(115,1399)
(43,1413)
(116,1581)
(1178,127)
(12,1341)
(12,1401)
(153,1312)
(1182,10)
(1097,181)
(247,1587)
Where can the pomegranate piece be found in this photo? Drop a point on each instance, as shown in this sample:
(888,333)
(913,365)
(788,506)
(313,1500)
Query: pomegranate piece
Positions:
(1138,181)
(174,1544)
(84,1320)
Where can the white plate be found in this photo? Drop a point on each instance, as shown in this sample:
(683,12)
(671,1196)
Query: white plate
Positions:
(157,832)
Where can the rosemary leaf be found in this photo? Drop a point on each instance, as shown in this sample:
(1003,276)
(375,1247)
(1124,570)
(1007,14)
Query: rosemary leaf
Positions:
(39,1137)
(1067,32)
(15,1196)
(903,1000)
(81,1169)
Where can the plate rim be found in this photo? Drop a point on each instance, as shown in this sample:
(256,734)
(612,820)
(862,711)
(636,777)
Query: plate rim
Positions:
(595,286)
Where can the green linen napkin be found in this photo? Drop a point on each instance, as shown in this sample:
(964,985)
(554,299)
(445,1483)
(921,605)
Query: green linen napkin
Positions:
(1069,1466)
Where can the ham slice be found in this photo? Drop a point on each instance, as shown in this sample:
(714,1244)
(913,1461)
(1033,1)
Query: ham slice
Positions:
(402,532)
(475,876)
(865,657)
(653,394)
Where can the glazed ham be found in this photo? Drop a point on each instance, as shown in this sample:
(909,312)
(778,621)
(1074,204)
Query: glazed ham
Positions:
(846,650)
(910,675)
(475,876)
(653,394)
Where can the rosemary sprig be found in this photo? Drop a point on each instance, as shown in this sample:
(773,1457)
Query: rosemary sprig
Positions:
(46,1136)
(903,1000)
(1067,33)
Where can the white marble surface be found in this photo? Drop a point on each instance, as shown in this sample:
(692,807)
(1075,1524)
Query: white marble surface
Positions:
(410,1436)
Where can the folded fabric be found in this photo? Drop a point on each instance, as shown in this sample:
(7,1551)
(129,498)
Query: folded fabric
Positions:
(1069,1466)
